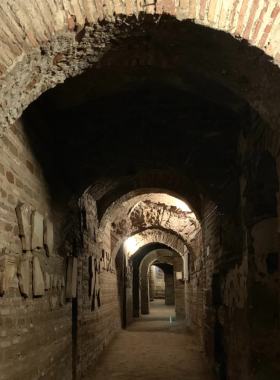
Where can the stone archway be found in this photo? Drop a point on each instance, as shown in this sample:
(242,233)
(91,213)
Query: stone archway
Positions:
(144,276)
(150,183)
(148,238)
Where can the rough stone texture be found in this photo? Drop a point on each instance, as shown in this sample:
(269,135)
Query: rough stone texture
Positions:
(23,276)
(146,214)
(24,222)
(47,281)
(48,237)
(8,271)
(154,186)
(36,230)
(38,279)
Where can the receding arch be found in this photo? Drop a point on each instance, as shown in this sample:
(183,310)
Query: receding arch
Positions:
(156,181)
(149,238)
(127,202)
(144,273)
(155,236)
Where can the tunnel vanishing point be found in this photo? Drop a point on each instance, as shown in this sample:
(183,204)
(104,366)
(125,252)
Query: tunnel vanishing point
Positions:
(140,163)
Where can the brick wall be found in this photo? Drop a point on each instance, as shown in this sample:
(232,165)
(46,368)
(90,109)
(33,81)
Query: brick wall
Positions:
(179,287)
(36,333)
(235,291)
(96,325)
(232,278)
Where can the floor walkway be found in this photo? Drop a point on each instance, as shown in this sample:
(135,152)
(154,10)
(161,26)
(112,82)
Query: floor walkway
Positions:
(152,348)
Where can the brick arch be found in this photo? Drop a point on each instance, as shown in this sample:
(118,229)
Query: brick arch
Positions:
(144,182)
(143,272)
(154,255)
(154,235)
(184,225)
(45,42)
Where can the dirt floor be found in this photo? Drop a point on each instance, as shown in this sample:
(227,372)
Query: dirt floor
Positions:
(153,348)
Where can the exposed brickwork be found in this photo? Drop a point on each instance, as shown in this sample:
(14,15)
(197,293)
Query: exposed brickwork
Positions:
(233,254)
(216,297)
(101,322)
(157,236)
(148,277)
(35,332)
(147,182)
(50,26)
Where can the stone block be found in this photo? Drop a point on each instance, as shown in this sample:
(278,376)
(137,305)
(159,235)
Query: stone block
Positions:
(48,237)
(54,282)
(24,222)
(23,276)
(8,272)
(62,282)
(37,230)
(179,275)
(38,279)
(62,299)
(71,285)
(47,281)
(186,267)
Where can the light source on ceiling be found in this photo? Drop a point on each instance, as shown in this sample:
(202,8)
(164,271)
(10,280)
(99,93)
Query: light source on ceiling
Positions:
(182,205)
(131,244)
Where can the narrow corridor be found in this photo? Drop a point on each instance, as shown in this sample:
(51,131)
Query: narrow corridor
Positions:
(152,348)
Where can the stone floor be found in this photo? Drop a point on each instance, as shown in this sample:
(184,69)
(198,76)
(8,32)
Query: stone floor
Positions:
(152,348)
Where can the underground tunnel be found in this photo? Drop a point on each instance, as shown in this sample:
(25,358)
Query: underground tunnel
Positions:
(139,176)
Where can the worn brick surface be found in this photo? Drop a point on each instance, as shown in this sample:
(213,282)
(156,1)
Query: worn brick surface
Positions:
(32,335)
